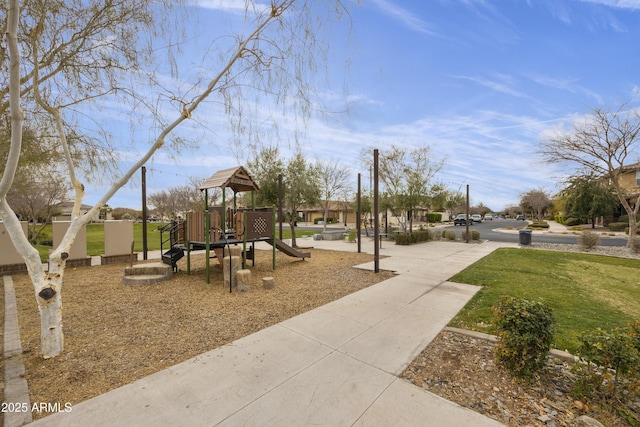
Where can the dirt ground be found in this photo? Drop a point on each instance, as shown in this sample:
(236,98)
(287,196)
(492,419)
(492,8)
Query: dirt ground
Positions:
(116,334)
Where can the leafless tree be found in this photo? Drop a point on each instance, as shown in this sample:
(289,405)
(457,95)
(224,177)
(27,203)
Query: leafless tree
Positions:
(601,144)
(538,201)
(36,198)
(176,201)
(405,175)
(334,181)
(77,52)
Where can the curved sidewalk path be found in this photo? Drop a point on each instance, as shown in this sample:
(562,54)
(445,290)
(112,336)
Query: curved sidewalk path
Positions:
(336,365)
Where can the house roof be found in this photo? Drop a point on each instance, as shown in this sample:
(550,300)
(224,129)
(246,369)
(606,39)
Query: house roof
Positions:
(237,178)
(630,168)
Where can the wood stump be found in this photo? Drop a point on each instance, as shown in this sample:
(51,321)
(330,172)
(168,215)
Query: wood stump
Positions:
(236,264)
(244,280)
(268,283)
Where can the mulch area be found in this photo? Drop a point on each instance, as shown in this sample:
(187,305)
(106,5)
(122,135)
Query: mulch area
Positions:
(116,333)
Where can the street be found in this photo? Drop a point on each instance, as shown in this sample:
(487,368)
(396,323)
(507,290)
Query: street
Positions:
(487,232)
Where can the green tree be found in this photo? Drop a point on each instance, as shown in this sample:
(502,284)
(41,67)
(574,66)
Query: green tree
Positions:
(265,165)
(301,188)
(455,202)
(588,197)
(366,209)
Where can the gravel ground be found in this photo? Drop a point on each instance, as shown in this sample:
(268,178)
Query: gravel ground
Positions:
(116,334)
(616,251)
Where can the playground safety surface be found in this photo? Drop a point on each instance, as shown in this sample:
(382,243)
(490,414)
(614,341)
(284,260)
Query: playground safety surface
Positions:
(116,334)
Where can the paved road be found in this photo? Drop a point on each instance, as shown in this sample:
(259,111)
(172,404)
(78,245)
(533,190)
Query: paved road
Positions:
(487,232)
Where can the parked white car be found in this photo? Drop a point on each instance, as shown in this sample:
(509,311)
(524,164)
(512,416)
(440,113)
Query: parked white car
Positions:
(488,217)
(476,218)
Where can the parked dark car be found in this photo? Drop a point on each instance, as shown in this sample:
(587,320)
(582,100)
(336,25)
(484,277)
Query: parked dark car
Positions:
(461,219)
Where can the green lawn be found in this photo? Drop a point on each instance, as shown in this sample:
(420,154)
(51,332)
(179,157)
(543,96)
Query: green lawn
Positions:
(584,291)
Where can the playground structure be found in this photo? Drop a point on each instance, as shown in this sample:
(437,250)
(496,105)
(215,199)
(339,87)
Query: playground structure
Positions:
(220,227)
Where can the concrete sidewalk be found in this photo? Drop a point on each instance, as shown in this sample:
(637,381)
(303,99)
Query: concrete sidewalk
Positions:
(336,365)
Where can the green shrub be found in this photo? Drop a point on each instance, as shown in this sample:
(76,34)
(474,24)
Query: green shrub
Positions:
(559,218)
(411,238)
(474,235)
(588,240)
(403,239)
(572,221)
(449,234)
(525,332)
(577,228)
(543,224)
(625,218)
(626,231)
(434,217)
(612,368)
(618,226)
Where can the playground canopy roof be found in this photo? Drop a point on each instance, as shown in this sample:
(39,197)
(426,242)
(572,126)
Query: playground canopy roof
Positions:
(237,178)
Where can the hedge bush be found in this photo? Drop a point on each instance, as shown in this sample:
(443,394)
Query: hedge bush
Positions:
(411,238)
(618,226)
(449,234)
(434,217)
(475,235)
(572,221)
(625,219)
(538,225)
(525,333)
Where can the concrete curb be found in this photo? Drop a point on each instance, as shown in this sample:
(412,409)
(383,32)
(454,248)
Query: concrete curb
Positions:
(16,389)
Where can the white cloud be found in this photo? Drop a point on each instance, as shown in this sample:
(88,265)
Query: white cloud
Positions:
(501,83)
(618,4)
(405,17)
(232,5)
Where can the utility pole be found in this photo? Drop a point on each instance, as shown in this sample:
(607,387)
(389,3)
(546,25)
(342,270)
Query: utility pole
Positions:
(358,215)
(468,217)
(280,197)
(376,215)
(144,213)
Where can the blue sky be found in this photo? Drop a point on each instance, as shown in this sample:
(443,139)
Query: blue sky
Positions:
(479,81)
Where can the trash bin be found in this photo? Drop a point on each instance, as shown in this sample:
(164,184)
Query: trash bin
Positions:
(525,237)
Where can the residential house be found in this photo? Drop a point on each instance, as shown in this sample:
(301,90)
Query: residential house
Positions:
(64,212)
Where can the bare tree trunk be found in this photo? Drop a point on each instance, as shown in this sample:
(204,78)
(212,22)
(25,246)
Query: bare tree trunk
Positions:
(49,299)
(633,223)
(293,234)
